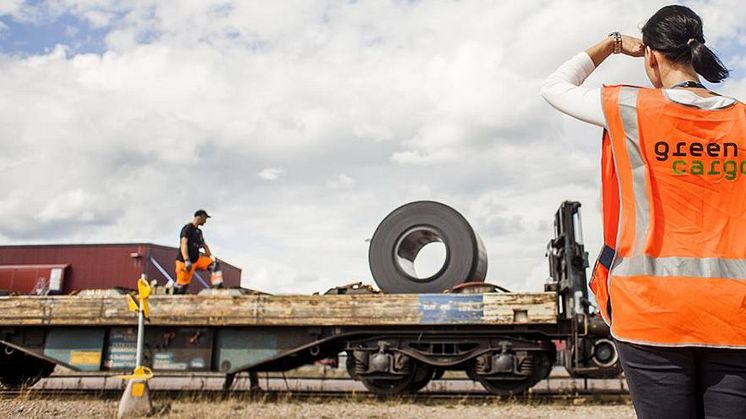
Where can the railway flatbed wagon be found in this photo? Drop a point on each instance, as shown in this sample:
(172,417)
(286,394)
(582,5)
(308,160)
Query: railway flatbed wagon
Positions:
(395,342)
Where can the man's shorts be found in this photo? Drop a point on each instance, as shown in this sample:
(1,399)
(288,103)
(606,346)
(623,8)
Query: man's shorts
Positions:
(183,277)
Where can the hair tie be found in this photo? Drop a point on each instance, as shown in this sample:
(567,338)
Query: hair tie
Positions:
(690,42)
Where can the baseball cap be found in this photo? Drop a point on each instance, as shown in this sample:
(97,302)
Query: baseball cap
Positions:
(201,212)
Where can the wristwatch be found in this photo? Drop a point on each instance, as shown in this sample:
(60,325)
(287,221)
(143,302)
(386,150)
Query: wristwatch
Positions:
(617,42)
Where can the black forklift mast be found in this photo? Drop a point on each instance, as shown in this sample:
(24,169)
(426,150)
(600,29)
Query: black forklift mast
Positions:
(568,261)
(590,350)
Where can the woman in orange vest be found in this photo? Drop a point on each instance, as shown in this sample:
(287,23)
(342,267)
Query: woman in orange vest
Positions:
(671,277)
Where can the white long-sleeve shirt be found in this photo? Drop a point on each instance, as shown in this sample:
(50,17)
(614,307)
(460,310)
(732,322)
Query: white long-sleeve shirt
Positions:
(563,90)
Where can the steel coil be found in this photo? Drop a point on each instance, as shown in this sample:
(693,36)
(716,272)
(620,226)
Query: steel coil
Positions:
(406,230)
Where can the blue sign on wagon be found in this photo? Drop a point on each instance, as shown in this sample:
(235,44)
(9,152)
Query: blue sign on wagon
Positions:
(451,308)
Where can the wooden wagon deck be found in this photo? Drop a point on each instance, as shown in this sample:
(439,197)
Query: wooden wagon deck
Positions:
(286,310)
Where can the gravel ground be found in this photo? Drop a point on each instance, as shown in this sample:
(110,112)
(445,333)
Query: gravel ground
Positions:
(24,407)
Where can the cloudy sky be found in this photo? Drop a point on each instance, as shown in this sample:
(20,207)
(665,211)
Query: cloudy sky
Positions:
(300,124)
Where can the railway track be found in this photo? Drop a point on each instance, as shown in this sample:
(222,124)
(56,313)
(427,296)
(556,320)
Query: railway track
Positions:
(319,397)
(278,387)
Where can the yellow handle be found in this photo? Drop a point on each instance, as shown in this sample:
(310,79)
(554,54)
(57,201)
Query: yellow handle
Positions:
(140,373)
(132,303)
(143,288)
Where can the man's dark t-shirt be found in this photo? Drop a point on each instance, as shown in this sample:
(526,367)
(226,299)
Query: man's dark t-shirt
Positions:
(194,242)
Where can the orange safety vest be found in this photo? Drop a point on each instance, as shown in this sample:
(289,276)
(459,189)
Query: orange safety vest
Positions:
(672,271)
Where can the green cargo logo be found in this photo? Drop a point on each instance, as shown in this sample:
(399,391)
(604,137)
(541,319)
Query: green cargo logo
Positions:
(715,162)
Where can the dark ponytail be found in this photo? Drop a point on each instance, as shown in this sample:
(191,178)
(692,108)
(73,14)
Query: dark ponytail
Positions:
(676,31)
(707,64)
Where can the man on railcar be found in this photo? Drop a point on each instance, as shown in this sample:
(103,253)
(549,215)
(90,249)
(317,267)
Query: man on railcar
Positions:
(189,258)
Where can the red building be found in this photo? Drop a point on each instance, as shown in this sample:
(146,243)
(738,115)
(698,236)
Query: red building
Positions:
(63,268)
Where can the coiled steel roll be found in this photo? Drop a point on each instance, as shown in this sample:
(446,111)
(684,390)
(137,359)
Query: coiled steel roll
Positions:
(406,230)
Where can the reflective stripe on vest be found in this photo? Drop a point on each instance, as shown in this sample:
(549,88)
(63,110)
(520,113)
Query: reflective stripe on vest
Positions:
(678,266)
(676,237)
(628,113)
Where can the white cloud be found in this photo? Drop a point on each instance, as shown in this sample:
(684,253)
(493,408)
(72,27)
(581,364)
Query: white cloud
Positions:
(424,158)
(271,173)
(341,181)
(71,31)
(10,7)
(358,107)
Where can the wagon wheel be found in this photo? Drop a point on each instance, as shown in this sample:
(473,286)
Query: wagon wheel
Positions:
(508,387)
(418,377)
(505,387)
(388,386)
(350,365)
(423,374)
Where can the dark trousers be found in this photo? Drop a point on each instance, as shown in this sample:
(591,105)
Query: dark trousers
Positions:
(685,382)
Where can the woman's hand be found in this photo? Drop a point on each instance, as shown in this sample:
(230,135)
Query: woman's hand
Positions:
(632,46)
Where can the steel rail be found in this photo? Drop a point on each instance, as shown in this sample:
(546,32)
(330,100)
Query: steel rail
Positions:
(277,386)
(595,396)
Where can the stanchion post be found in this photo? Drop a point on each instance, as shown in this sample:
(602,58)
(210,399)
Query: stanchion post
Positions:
(136,400)
(142,285)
